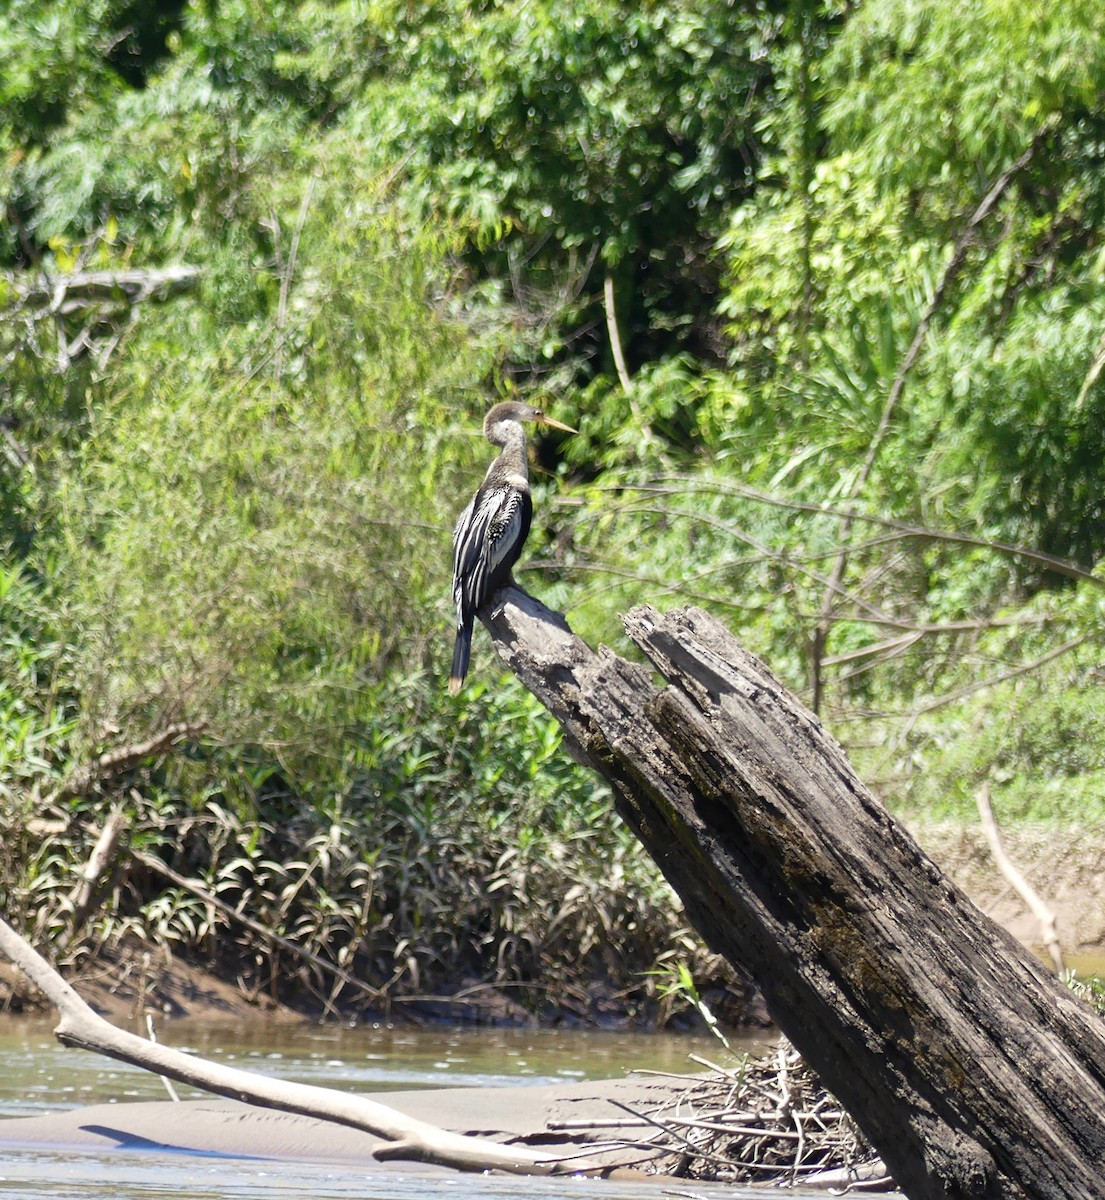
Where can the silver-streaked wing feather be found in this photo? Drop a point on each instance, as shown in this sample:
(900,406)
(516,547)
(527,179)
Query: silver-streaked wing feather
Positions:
(487,533)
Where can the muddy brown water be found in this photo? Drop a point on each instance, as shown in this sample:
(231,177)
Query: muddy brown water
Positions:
(38,1076)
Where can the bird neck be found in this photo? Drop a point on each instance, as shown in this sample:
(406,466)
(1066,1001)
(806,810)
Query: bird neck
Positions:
(512,463)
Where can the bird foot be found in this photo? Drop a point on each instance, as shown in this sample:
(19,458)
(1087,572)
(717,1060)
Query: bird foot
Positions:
(499,600)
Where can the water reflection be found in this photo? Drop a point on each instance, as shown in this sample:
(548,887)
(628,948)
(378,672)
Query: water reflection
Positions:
(38,1075)
(87,1177)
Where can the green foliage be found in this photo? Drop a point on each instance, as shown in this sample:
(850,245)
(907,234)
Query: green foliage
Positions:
(1092,990)
(38,711)
(55,63)
(677,983)
(443,854)
(569,144)
(1038,741)
(224,521)
(862,408)
(965,85)
(557,121)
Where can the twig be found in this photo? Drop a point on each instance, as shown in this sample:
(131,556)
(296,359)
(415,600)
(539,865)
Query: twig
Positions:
(766,552)
(164,1078)
(1040,910)
(123,758)
(615,337)
(289,269)
(13,451)
(951,272)
(155,864)
(1050,562)
(1002,677)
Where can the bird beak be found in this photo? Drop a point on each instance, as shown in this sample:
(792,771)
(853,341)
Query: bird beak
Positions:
(543,420)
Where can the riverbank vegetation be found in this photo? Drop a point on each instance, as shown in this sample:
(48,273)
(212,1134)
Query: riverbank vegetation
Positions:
(822,287)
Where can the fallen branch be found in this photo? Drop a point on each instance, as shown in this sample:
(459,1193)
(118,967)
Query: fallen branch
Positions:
(124,758)
(405,1137)
(83,895)
(1040,910)
(152,863)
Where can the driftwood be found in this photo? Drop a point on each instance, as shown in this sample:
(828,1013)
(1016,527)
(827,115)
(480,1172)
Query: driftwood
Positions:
(967,1065)
(404,1137)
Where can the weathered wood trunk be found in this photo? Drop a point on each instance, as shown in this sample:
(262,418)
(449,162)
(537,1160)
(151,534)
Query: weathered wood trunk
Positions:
(970,1068)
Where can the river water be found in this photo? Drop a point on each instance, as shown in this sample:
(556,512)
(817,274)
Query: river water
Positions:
(39,1076)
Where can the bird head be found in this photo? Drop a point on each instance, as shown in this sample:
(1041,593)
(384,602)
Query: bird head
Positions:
(515,412)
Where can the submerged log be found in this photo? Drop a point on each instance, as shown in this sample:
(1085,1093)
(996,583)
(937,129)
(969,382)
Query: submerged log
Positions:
(969,1067)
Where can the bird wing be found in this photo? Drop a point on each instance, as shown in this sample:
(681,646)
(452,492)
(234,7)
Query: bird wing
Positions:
(487,540)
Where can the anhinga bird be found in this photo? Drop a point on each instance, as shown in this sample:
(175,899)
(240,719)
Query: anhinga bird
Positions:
(491,532)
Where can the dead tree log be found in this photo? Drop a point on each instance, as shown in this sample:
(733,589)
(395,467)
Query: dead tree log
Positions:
(968,1066)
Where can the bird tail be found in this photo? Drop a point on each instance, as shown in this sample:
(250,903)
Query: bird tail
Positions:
(461,649)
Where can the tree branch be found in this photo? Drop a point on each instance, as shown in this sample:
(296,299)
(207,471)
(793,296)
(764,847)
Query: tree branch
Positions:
(951,272)
(1050,562)
(1024,889)
(404,1136)
(615,337)
(77,290)
(121,759)
(82,896)
(1003,676)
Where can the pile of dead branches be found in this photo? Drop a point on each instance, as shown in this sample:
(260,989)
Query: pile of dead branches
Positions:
(765,1120)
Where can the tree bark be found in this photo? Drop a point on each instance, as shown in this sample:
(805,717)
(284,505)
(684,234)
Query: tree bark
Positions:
(967,1065)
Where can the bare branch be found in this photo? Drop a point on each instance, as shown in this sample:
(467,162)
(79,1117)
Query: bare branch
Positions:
(1050,562)
(766,551)
(615,337)
(1096,365)
(1004,676)
(289,268)
(78,290)
(82,896)
(81,1027)
(1024,889)
(123,758)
